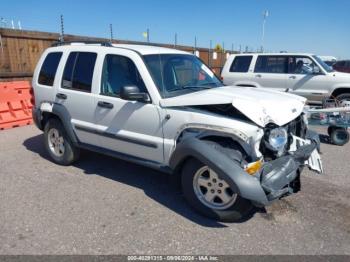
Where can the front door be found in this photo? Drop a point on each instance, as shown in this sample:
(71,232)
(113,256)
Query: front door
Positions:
(301,79)
(128,127)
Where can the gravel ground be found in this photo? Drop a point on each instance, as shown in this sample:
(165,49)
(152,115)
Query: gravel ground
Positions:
(103,205)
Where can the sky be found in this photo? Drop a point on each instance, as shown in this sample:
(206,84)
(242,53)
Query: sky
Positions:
(314,26)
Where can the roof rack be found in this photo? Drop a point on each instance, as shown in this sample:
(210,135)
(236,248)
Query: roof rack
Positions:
(108,44)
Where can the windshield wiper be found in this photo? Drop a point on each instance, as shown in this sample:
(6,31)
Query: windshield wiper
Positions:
(204,86)
(197,87)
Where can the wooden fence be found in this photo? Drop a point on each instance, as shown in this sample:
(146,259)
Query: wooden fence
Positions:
(21,49)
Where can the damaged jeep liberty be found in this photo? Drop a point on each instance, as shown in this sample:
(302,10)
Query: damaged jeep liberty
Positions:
(232,148)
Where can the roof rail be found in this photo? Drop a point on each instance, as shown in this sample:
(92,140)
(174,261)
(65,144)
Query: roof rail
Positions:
(108,44)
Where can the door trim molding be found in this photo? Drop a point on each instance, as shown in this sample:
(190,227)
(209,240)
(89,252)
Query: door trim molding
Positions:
(136,141)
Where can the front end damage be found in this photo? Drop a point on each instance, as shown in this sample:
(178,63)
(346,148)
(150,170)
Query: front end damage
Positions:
(281,177)
(277,175)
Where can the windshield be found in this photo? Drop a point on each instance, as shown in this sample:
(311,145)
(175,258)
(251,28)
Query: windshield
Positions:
(326,67)
(177,74)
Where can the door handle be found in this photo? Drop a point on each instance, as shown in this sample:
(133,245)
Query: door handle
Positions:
(258,75)
(105,104)
(292,77)
(61,96)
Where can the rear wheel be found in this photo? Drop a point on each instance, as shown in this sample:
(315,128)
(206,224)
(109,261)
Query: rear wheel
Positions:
(210,195)
(57,143)
(339,136)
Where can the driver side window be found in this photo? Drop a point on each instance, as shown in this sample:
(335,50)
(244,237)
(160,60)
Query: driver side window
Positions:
(119,71)
(300,65)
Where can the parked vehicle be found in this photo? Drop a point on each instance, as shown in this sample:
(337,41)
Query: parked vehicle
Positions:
(232,147)
(301,74)
(342,66)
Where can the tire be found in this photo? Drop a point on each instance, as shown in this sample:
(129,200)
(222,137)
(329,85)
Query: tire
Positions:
(58,144)
(339,136)
(232,212)
(330,130)
(345,97)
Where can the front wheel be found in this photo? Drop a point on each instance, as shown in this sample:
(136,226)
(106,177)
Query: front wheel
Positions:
(58,144)
(210,195)
(344,100)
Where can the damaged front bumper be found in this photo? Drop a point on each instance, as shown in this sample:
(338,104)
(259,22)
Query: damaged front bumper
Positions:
(275,179)
(281,177)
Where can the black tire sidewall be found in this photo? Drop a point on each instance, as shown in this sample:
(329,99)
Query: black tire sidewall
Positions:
(335,139)
(70,153)
(343,96)
(239,209)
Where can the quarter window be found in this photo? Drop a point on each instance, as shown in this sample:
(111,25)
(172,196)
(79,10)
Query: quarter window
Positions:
(119,71)
(271,64)
(79,71)
(49,68)
(241,64)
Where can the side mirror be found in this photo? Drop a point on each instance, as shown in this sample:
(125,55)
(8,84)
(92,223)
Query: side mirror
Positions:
(133,93)
(316,70)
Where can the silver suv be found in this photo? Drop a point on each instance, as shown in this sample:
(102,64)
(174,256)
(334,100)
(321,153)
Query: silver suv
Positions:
(301,74)
(232,148)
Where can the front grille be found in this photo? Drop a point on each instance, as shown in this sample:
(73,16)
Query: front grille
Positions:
(297,127)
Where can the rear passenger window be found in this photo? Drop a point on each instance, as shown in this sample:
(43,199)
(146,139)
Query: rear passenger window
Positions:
(79,71)
(49,68)
(271,64)
(241,64)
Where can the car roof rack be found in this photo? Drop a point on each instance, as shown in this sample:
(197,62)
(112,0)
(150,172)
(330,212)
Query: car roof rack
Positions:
(59,43)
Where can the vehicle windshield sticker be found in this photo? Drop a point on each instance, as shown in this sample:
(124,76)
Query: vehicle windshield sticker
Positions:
(207,70)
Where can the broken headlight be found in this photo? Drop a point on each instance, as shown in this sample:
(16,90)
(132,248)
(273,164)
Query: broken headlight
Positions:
(277,139)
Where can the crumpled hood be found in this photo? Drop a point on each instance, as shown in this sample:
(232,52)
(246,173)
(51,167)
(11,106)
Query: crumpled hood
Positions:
(260,105)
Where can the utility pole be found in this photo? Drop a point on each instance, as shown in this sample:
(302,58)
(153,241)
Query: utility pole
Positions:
(147,35)
(195,44)
(209,55)
(175,40)
(265,15)
(111,31)
(62,30)
(223,54)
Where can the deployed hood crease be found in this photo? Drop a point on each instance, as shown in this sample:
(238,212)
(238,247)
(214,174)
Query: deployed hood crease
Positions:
(260,105)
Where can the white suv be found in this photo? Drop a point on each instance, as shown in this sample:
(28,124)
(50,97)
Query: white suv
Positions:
(302,74)
(163,108)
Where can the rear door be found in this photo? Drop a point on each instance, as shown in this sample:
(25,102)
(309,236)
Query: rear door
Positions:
(74,94)
(270,72)
(130,127)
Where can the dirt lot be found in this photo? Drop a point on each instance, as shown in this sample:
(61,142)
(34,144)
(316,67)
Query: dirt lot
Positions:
(106,206)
